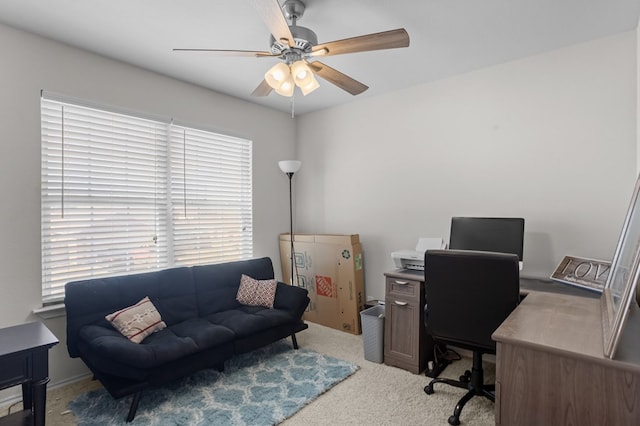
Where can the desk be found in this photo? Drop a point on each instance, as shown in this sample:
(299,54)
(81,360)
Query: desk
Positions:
(406,342)
(550,368)
(24,360)
(530,285)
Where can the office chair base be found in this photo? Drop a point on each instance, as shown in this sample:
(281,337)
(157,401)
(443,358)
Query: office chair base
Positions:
(429,388)
(488,391)
(473,381)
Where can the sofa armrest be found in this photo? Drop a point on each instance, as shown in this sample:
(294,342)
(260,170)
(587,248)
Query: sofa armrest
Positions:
(291,299)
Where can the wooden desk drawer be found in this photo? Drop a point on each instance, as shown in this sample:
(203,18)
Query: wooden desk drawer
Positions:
(401,288)
(15,370)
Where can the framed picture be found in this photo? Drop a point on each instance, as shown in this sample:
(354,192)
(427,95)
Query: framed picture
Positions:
(585,273)
(620,287)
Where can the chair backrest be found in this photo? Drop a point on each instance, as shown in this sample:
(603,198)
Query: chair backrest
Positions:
(469,294)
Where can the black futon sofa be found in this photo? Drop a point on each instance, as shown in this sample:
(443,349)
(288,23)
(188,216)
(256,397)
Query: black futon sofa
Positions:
(205,324)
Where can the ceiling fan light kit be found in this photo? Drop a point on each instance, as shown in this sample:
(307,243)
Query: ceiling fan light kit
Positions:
(282,77)
(295,45)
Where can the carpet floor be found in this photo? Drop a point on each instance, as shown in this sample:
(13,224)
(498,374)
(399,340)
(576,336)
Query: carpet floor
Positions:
(376,394)
(259,388)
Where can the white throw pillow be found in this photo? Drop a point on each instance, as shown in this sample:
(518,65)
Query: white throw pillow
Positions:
(138,321)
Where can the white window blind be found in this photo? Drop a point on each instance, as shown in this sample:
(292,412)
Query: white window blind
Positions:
(211,189)
(123,194)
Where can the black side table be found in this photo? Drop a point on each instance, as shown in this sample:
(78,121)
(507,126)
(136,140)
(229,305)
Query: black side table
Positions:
(24,360)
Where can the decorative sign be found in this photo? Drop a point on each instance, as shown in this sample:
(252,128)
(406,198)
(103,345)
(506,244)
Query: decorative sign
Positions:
(586,273)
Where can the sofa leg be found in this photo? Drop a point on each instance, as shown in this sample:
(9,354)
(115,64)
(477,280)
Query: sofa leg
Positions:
(134,406)
(295,341)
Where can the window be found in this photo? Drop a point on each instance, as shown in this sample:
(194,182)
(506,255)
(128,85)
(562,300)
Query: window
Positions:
(124,194)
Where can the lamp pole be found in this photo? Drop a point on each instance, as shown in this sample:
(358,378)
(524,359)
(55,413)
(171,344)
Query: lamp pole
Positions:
(290,174)
(289,167)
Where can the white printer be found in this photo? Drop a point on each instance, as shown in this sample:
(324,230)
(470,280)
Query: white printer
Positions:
(414,259)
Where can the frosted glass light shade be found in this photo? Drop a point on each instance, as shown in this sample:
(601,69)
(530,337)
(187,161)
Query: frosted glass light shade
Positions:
(303,77)
(289,166)
(310,87)
(301,73)
(277,75)
(286,88)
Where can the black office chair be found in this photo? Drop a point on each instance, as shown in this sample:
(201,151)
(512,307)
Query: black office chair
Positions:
(468,295)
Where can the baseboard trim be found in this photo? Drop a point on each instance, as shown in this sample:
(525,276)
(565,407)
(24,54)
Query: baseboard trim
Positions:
(8,401)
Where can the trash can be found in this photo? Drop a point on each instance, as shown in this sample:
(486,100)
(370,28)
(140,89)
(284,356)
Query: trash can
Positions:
(373,333)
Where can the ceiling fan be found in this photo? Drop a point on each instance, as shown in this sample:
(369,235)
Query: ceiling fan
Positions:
(296,46)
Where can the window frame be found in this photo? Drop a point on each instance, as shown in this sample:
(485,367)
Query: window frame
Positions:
(201,209)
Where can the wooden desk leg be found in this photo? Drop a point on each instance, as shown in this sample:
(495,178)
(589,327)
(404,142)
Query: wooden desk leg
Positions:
(40,401)
(27,396)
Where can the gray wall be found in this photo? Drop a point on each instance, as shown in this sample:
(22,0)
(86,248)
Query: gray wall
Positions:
(29,64)
(551,138)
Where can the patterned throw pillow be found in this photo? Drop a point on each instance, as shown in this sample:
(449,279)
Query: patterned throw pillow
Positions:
(254,292)
(138,321)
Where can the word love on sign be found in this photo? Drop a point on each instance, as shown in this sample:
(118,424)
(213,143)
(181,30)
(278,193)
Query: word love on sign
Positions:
(587,273)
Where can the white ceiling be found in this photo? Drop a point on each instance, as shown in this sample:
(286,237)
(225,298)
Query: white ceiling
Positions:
(448,37)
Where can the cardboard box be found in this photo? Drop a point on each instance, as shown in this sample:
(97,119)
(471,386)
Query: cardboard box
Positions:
(330,268)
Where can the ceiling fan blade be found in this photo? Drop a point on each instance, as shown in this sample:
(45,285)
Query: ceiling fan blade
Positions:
(223,52)
(263,89)
(341,80)
(271,14)
(385,40)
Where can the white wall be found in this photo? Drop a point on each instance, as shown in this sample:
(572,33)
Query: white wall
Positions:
(551,138)
(29,64)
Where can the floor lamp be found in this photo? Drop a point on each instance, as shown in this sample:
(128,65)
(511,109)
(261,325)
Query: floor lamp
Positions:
(289,167)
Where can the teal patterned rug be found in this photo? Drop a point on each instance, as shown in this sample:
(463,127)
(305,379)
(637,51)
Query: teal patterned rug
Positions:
(263,387)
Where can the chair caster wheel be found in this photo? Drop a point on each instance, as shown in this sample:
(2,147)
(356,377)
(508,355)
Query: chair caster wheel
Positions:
(428,389)
(454,421)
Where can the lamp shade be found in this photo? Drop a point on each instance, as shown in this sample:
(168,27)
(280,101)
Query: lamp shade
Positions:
(286,88)
(303,77)
(289,166)
(301,73)
(277,75)
(310,87)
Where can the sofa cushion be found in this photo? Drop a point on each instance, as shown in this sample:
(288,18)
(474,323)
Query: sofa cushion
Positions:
(203,332)
(172,343)
(137,321)
(254,292)
(248,320)
(88,301)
